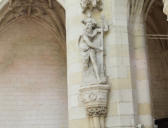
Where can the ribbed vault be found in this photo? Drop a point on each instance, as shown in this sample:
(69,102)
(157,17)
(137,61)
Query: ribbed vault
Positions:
(33,78)
(47,12)
(139,7)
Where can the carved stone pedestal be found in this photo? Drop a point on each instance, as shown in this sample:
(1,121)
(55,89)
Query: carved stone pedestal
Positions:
(95,98)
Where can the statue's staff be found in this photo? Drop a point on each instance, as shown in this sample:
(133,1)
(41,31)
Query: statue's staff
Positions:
(102,45)
(104,28)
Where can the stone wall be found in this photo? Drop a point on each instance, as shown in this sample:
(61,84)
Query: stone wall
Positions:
(32,77)
(159,77)
(126,65)
(120,108)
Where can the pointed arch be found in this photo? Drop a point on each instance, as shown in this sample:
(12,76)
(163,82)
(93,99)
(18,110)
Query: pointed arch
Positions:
(48,11)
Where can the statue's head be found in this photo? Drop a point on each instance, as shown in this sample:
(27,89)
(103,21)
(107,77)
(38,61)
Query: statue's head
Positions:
(90,23)
(89,27)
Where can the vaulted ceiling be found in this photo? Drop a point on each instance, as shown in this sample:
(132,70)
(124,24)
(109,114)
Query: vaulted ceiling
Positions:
(48,13)
(156,20)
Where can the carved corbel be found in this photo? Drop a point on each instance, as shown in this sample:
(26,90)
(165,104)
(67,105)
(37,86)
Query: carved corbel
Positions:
(95,99)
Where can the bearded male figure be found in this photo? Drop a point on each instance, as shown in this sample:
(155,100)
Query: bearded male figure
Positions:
(91,49)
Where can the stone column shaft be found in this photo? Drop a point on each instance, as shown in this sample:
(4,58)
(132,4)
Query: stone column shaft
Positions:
(140,74)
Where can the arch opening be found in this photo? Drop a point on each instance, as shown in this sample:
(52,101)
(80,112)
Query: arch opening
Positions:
(33,83)
(33,77)
(157,47)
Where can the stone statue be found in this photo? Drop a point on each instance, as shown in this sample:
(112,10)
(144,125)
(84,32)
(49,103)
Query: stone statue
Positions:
(91,4)
(94,89)
(91,46)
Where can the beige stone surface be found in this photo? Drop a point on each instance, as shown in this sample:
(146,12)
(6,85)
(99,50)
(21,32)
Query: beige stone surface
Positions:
(33,91)
(37,92)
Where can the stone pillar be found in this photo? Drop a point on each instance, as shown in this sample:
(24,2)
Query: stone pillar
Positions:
(77,113)
(140,75)
(121,109)
(121,113)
